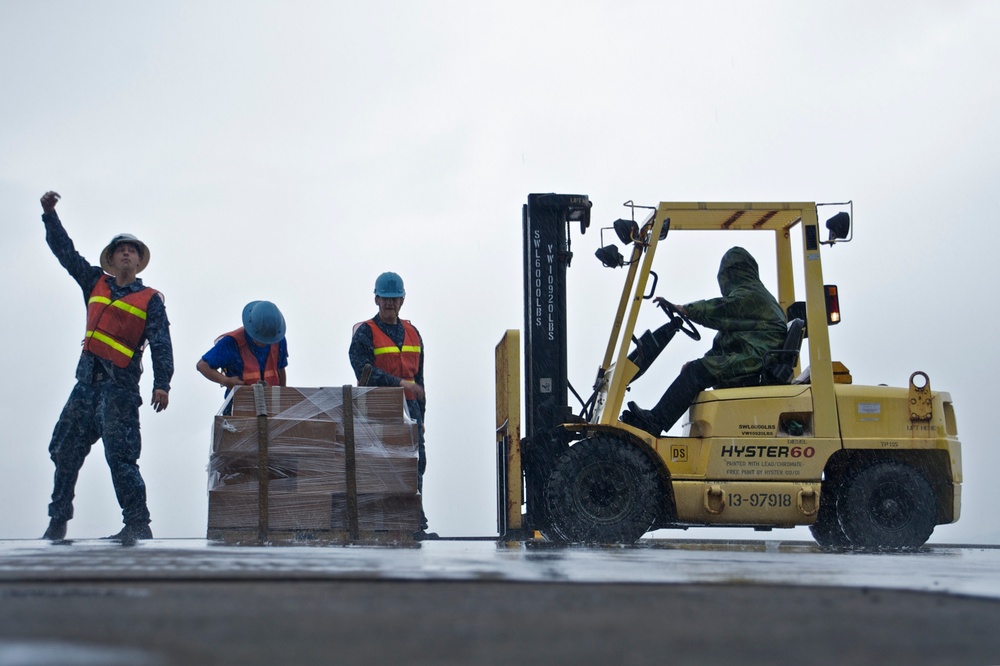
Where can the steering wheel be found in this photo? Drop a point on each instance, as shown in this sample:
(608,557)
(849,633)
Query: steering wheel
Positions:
(686,326)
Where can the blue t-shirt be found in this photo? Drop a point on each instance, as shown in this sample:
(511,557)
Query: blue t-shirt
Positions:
(225,356)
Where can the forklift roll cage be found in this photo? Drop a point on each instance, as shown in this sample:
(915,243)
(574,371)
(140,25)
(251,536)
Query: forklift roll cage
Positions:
(616,371)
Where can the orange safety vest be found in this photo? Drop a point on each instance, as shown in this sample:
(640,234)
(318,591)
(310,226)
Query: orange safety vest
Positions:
(251,366)
(115,327)
(402,362)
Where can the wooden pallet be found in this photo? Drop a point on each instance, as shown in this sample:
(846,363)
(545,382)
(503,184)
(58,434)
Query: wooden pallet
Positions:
(250,537)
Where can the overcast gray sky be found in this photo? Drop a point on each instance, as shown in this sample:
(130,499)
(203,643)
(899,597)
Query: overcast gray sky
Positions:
(292,151)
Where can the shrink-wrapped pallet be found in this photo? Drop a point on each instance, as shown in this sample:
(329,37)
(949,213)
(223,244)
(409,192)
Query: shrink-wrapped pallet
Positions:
(329,471)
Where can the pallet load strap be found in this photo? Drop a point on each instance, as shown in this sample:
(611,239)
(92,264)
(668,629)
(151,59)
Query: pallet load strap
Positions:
(350,468)
(262,462)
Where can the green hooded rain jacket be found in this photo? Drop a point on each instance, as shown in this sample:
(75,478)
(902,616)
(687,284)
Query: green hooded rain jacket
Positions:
(747,317)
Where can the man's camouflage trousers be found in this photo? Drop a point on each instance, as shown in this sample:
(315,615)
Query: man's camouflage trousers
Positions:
(110,412)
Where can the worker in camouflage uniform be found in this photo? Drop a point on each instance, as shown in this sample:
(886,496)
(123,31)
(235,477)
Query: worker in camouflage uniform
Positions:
(749,322)
(122,315)
(388,351)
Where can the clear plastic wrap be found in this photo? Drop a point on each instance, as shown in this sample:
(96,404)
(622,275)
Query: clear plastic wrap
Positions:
(308,478)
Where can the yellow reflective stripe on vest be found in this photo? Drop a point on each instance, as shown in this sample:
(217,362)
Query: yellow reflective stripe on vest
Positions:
(396,350)
(121,305)
(111,342)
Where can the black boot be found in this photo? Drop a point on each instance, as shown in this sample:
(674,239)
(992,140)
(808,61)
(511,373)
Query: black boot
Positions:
(423,535)
(132,533)
(56,530)
(637,417)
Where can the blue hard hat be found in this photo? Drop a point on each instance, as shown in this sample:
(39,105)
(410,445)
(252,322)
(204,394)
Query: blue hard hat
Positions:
(389,285)
(263,322)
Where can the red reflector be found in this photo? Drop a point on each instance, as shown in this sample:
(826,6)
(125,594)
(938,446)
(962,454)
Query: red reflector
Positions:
(832,304)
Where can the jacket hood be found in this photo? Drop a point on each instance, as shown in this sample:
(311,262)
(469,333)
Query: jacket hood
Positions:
(737,269)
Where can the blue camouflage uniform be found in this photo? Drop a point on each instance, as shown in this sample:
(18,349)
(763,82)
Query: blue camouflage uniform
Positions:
(104,404)
(362,353)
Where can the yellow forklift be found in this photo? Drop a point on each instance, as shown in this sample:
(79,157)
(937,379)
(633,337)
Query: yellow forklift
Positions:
(865,467)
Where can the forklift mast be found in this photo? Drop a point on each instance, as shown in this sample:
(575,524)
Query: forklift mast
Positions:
(546,222)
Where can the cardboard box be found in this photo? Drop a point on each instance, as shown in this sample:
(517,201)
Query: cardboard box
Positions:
(235,509)
(292,403)
(370,403)
(239,434)
(316,472)
(380,513)
(388,437)
(380,404)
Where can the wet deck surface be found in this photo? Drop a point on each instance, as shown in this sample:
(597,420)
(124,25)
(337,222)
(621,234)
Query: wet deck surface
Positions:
(966,570)
(190,601)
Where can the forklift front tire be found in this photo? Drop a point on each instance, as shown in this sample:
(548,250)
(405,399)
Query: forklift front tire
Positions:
(603,490)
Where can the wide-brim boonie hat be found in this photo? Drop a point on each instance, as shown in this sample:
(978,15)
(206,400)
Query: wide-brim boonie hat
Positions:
(124,238)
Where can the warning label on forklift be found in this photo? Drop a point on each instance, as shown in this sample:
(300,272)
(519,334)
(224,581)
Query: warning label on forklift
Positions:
(869,411)
(757,430)
(543,279)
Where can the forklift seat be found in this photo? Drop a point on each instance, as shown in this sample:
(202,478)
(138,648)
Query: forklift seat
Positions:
(779,364)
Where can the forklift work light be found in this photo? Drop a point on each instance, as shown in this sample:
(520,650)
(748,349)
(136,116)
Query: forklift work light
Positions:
(627,230)
(839,226)
(665,229)
(610,256)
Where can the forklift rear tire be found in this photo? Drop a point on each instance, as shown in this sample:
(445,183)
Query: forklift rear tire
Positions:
(887,506)
(603,490)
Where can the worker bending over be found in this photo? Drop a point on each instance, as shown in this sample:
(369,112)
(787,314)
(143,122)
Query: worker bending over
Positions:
(255,352)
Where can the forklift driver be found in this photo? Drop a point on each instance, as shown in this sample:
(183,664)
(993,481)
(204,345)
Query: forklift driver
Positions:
(749,322)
